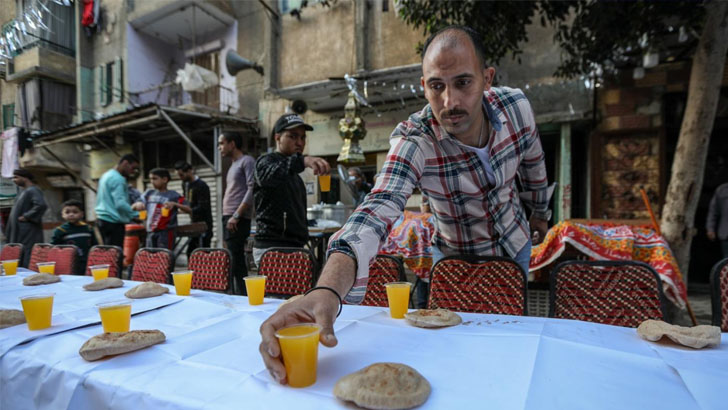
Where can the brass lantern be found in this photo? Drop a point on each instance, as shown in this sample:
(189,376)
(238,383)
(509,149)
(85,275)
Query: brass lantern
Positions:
(351,129)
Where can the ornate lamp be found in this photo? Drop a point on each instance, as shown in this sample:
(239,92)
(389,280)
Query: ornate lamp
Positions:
(351,129)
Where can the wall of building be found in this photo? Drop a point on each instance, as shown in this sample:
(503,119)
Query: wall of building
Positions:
(251,17)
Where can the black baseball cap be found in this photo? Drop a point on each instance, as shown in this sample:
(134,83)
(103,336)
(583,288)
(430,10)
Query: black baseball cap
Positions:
(288,121)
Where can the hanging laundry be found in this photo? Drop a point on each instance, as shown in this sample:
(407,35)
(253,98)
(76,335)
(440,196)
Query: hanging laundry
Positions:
(10,152)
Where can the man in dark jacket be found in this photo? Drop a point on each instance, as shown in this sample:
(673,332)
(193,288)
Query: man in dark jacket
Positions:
(280,195)
(197,193)
(25,223)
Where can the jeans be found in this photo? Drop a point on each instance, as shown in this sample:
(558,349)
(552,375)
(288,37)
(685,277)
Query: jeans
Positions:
(422,288)
(235,242)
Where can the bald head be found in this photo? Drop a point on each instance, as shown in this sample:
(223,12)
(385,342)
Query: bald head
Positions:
(453,36)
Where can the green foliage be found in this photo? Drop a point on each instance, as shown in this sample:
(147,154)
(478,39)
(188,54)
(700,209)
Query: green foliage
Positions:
(607,33)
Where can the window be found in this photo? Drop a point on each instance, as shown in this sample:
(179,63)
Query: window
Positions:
(8,116)
(110,81)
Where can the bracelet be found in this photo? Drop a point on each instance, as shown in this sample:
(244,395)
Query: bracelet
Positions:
(341,303)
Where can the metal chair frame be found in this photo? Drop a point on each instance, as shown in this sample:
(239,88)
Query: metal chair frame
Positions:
(119,262)
(310,255)
(715,293)
(229,288)
(170,267)
(401,276)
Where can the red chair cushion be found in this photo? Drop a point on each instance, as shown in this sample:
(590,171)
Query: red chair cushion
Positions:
(11,251)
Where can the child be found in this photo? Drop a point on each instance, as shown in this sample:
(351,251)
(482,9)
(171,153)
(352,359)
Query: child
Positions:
(161,223)
(75,232)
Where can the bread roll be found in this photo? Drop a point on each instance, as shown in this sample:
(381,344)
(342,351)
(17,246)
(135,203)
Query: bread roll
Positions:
(108,344)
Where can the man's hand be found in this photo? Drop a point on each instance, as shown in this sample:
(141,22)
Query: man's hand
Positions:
(21,218)
(711,235)
(138,206)
(539,227)
(170,205)
(232,224)
(319,165)
(319,306)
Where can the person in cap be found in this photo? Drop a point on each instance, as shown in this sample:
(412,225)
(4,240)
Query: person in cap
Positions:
(280,195)
(25,222)
(237,204)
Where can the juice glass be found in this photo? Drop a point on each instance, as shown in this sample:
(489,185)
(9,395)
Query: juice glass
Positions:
(165,212)
(115,316)
(255,285)
(47,267)
(10,267)
(325,182)
(299,347)
(38,310)
(398,297)
(143,214)
(100,271)
(182,282)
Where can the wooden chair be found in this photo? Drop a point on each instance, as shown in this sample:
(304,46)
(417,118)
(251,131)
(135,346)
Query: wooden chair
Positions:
(288,271)
(620,293)
(481,284)
(719,294)
(383,269)
(212,269)
(106,254)
(153,265)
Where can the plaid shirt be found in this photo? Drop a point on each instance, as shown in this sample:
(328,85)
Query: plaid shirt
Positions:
(472,216)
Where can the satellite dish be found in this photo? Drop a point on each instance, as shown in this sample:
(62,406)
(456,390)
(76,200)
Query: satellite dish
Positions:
(348,180)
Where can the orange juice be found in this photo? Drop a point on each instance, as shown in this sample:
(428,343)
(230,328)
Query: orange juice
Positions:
(38,310)
(325,182)
(398,297)
(47,267)
(115,316)
(299,347)
(10,267)
(255,285)
(182,282)
(165,212)
(100,271)
(143,214)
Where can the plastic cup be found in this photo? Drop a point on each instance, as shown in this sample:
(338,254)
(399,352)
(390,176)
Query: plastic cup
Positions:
(115,316)
(100,271)
(255,285)
(143,214)
(325,182)
(38,310)
(10,267)
(299,347)
(182,282)
(165,212)
(398,297)
(47,267)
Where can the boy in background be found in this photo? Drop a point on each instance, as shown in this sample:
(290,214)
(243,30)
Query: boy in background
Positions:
(162,206)
(75,232)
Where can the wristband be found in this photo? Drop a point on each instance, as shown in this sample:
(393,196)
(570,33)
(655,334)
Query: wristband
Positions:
(236,215)
(341,304)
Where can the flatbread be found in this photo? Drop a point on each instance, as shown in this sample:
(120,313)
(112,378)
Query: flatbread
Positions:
(696,337)
(108,344)
(41,279)
(433,318)
(106,283)
(11,317)
(146,290)
(289,300)
(384,386)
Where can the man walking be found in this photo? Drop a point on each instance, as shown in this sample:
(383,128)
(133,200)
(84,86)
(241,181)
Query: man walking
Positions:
(113,209)
(237,204)
(197,193)
(25,224)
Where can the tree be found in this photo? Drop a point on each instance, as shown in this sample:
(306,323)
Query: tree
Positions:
(613,35)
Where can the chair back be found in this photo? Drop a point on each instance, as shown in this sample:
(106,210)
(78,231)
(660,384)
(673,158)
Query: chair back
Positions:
(212,269)
(153,265)
(38,253)
(64,256)
(481,284)
(106,254)
(383,269)
(288,271)
(620,293)
(719,294)
(11,251)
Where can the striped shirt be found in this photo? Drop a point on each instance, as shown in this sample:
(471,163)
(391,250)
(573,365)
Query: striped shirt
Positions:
(472,215)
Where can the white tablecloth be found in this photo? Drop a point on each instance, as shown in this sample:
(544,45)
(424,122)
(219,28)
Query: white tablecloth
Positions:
(210,361)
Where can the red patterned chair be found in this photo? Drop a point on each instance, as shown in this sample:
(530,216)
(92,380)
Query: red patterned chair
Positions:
(64,256)
(153,265)
(383,269)
(481,284)
(106,254)
(288,271)
(11,251)
(719,294)
(212,269)
(620,293)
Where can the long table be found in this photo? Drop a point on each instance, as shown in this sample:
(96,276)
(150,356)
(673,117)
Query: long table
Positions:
(210,360)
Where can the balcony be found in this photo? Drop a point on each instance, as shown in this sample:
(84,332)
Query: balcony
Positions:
(214,99)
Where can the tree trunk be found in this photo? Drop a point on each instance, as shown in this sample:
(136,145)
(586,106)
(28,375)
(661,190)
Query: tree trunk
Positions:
(688,167)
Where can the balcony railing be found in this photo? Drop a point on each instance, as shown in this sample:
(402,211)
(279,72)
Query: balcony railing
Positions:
(217,97)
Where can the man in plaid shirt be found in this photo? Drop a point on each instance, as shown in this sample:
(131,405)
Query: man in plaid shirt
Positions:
(464,150)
